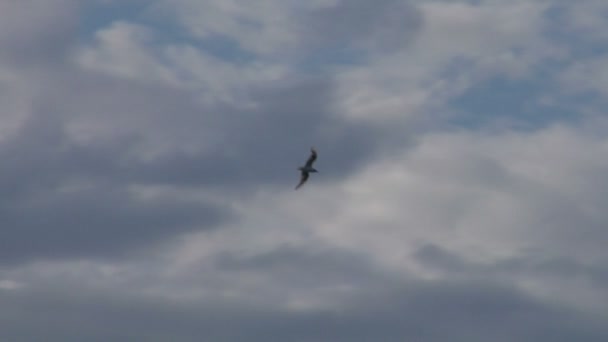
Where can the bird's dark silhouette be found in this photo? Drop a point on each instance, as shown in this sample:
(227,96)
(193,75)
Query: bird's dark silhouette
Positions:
(307,168)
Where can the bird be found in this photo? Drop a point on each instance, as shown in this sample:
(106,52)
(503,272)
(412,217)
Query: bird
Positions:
(307,168)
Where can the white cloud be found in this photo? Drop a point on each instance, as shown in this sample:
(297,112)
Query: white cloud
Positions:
(459,45)
(125,50)
(130,51)
(262,27)
(486,198)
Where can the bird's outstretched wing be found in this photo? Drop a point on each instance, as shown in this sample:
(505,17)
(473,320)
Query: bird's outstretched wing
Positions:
(312,158)
(303,179)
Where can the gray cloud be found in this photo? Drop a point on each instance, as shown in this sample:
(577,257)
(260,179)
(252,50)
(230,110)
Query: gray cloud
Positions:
(305,268)
(68,191)
(61,200)
(532,263)
(386,25)
(128,120)
(310,34)
(34,31)
(426,311)
(262,144)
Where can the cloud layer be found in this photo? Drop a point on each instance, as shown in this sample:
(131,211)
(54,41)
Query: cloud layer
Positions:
(150,150)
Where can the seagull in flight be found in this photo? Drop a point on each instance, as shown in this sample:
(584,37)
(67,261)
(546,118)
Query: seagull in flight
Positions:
(307,168)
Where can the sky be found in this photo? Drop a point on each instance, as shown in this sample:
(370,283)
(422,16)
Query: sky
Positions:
(150,149)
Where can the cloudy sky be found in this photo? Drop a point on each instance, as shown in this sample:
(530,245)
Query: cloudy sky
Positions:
(149,152)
